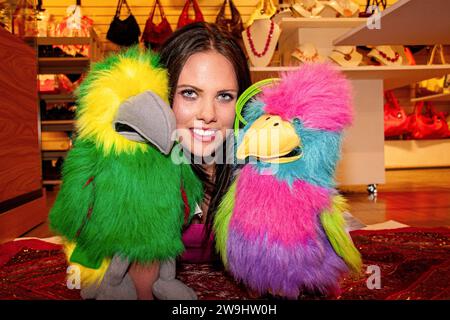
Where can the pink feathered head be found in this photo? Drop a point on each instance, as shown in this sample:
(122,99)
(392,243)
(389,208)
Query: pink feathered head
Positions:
(317,94)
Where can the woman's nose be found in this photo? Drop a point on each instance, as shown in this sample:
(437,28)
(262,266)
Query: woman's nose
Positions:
(207,112)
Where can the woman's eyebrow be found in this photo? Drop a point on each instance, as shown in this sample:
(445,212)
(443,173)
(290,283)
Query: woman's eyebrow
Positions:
(189,86)
(227,90)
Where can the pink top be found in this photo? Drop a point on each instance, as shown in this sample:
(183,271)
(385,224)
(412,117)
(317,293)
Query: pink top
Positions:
(196,251)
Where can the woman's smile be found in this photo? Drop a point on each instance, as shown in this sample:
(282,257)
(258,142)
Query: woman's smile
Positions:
(204,134)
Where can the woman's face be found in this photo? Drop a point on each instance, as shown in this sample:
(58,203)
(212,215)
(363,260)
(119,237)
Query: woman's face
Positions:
(204,102)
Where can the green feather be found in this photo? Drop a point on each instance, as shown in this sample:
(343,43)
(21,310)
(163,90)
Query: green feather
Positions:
(222,221)
(334,225)
(137,211)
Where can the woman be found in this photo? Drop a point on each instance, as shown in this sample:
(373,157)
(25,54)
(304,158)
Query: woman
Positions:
(207,72)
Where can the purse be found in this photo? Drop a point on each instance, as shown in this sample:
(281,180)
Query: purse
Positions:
(233,25)
(370,4)
(395,119)
(410,57)
(155,35)
(434,85)
(428,125)
(123,32)
(184,20)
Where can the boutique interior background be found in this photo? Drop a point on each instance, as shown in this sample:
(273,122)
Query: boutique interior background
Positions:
(361,165)
(103,11)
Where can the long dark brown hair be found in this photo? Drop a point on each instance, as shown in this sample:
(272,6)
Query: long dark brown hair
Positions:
(191,39)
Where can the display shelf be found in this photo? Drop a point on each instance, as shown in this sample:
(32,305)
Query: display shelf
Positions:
(57,125)
(401,154)
(433,97)
(49,41)
(63,40)
(53,155)
(63,65)
(393,76)
(320,31)
(293,24)
(406,22)
(57,97)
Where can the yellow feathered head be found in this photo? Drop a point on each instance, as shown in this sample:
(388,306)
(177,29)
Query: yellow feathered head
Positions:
(104,101)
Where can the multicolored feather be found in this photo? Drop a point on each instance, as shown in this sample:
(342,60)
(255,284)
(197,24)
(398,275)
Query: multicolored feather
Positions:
(334,225)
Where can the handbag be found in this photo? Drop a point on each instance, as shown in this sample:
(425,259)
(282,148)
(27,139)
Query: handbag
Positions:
(434,85)
(233,25)
(155,35)
(395,119)
(184,20)
(123,32)
(428,125)
(264,10)
(410,57)
(370,4)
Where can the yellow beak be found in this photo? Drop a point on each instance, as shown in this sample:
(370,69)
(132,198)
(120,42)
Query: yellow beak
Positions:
(270,139)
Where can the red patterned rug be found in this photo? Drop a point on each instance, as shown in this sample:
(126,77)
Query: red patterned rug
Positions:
(413,263)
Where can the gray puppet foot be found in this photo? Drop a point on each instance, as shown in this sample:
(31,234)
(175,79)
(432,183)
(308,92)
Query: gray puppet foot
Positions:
(115,285)
(89,292)
(123,291)
(173,290)
(169,288)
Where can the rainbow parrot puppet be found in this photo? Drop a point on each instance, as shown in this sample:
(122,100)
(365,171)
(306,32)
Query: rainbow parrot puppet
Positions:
(123,199)
(280,227)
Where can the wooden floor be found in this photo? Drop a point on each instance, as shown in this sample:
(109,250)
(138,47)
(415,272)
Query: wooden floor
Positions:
(419,198)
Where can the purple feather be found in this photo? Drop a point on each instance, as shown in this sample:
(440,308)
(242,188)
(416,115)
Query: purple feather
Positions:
(285,270)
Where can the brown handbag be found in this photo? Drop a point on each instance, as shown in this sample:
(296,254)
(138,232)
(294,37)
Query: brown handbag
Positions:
(233,25)
(155,35)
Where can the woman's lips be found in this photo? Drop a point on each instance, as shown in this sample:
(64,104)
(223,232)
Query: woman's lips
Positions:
(203,135)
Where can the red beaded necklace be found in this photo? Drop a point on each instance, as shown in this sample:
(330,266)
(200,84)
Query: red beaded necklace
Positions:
(266,46)
(385,56)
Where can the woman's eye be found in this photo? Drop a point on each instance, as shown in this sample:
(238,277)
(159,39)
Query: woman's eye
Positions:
(225,97)
(189,94)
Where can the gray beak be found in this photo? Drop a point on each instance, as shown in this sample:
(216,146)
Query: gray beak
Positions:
(146,118)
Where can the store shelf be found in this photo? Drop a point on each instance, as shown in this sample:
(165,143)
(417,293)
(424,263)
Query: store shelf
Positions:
(62,40)
(57,125)
(49,41)
(63,65)
(393,76)
(417,153)
(434,97)
(293,24)
(53,155)
(57,97)
(406,22)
